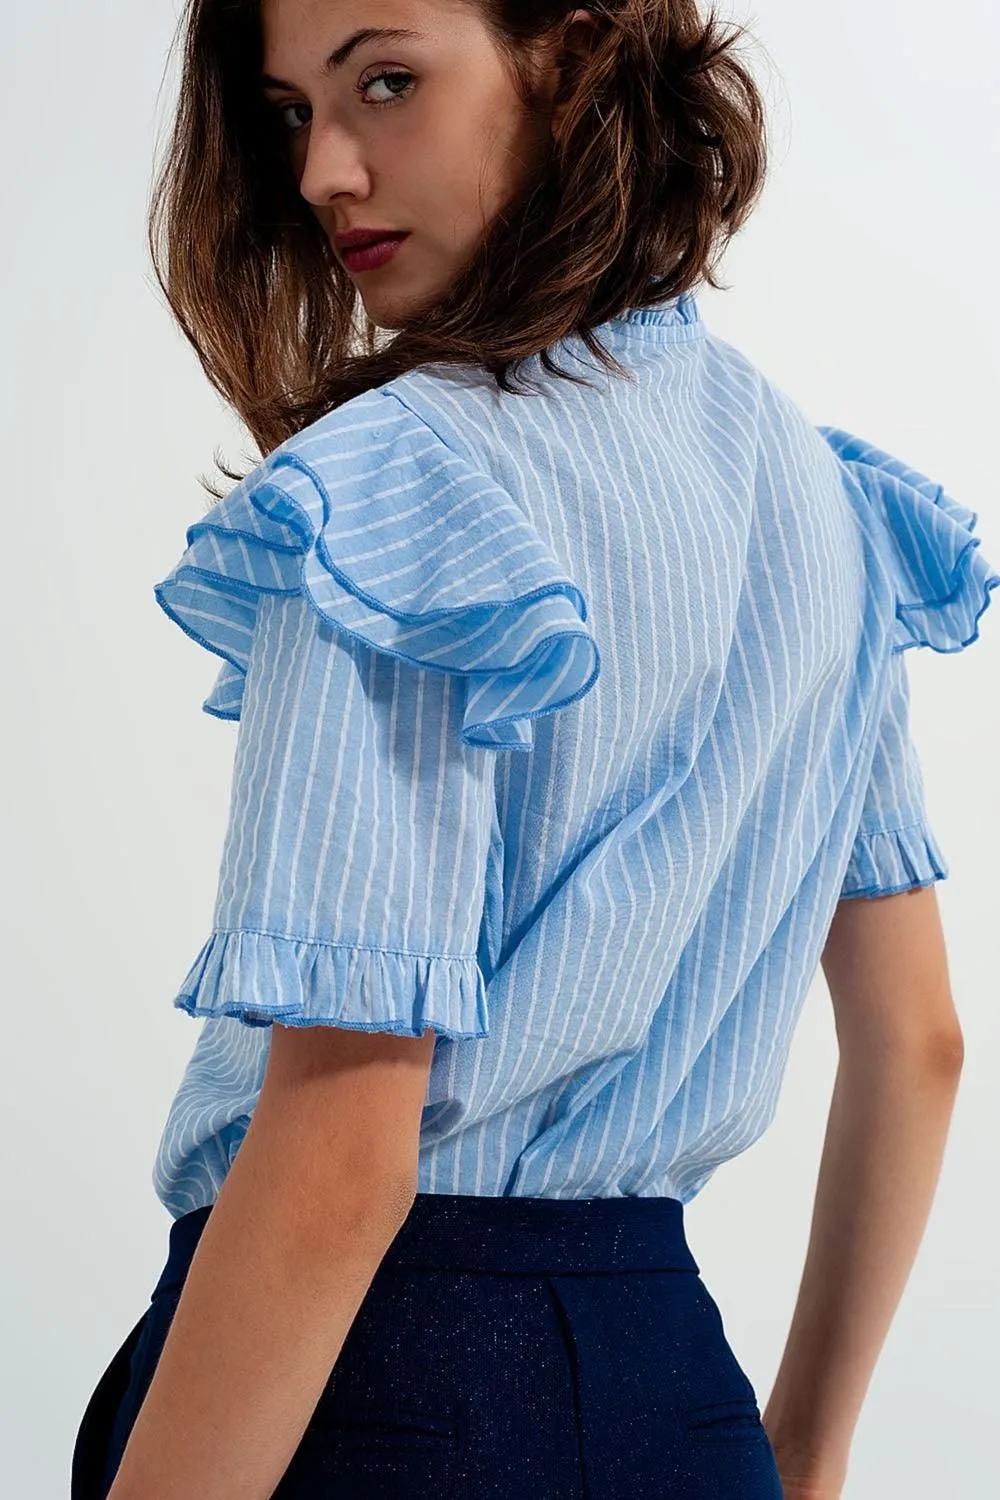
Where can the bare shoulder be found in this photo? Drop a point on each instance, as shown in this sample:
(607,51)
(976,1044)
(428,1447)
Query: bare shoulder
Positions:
(886,967)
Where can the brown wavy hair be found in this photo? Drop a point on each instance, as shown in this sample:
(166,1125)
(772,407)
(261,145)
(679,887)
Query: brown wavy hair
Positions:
(656,163)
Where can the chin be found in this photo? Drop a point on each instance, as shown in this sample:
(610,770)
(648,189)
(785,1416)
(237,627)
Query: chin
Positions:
(389,314)
(392,310)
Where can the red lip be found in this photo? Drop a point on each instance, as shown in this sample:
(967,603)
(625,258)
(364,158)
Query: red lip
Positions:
(353,239)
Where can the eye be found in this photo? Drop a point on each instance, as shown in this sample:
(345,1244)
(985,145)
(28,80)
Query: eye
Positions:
(280,109)
(386,76)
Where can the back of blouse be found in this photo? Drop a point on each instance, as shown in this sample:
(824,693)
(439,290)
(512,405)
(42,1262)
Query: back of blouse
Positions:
(565,720)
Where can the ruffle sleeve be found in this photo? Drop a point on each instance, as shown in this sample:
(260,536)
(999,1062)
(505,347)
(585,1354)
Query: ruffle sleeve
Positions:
(942,580)
(888,860)
(400,542)
(894,847)
(261,977)
(356,863)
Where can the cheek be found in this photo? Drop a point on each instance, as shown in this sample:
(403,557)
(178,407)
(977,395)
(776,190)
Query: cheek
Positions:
(474,174)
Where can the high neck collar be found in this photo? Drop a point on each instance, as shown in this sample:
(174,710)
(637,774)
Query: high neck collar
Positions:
(679,311)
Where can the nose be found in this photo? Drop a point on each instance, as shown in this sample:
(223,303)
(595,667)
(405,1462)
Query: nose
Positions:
(333,165)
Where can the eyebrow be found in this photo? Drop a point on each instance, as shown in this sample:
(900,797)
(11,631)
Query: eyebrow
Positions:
(340,55)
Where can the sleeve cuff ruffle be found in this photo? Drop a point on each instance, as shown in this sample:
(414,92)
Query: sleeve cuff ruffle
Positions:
(260,978)
(400,542)
(942,581)
(893,859)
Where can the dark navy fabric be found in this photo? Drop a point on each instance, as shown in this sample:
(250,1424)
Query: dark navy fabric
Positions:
(508,1348)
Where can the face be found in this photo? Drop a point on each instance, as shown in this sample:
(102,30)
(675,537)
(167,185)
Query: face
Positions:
(423,134)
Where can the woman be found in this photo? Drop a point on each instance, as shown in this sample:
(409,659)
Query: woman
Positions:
(569,666)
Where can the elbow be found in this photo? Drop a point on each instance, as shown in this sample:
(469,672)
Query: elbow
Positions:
(339,1219)
(399,1194)
(945,1051)
(326,1187)
(933,1052)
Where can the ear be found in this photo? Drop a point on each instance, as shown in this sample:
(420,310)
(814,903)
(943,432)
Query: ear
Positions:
(581,32)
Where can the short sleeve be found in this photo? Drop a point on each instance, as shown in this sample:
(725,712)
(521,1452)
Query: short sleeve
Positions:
(352,877)
(894,848)
(388,619)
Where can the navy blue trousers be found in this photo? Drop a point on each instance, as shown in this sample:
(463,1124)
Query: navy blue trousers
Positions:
(507,1349)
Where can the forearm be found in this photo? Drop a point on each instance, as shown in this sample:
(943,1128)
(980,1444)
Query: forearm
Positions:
(889,1119)
(271,1292)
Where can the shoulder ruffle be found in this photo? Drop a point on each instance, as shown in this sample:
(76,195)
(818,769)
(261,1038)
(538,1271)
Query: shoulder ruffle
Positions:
(943,582)
(401,542)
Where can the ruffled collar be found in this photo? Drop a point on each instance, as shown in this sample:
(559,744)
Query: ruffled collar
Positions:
(680,312)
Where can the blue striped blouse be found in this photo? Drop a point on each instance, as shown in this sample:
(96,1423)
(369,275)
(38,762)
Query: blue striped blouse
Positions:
(566,718)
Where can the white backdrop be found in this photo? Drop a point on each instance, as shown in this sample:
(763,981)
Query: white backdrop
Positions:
(864,285)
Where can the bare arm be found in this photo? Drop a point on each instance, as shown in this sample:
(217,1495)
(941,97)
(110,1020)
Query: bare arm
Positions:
(321,1184)
(901,1054)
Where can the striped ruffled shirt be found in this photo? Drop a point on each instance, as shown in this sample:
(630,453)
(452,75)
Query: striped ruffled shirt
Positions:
(565,719)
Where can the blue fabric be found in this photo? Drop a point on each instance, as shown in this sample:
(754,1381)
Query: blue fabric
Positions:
(565,719)
(508,1347)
